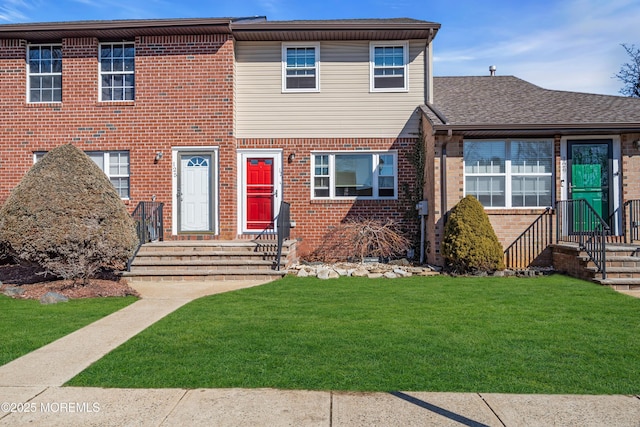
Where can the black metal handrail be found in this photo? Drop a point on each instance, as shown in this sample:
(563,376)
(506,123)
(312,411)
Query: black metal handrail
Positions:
(149,225)
(531,242)
(284,229)
(578,222)
(631,221)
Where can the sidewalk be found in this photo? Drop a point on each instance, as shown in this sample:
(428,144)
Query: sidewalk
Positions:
(31,392)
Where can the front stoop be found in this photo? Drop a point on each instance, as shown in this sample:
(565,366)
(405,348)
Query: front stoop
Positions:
(622,264)
(210,260)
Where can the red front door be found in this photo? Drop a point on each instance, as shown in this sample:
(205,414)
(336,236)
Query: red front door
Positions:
(260,192)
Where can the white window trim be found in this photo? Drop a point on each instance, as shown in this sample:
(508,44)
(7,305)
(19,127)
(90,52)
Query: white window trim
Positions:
(332,187)
(507,174)
(106,165)
(372,67)
(29,74)
(286,46)
(100,72)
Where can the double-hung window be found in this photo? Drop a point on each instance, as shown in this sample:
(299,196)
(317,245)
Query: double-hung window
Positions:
(509,173)
(388,63)
(45,73)
(117,72)
(115,164)
(369,175)
(300,67)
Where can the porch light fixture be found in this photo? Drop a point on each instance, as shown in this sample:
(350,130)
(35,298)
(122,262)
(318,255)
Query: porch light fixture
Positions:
(636,144)
(158,157)
(291,158)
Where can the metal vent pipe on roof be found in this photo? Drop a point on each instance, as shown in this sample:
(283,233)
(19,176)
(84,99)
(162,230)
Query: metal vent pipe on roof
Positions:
(492,70)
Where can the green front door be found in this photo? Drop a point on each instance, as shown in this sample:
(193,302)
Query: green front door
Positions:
(589,173)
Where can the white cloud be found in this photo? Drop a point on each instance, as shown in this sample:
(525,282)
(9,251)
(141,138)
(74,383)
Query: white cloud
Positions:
(14,10)
(582,53)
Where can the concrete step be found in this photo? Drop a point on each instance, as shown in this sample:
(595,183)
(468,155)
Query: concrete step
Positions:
(160,275)
(209,260)
(624,284)
(191,265)
(181,256)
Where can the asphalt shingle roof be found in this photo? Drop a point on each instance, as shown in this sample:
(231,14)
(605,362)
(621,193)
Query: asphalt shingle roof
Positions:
(508,100)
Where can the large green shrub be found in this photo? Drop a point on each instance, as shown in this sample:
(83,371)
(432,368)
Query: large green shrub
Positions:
(470,244)
(66,217)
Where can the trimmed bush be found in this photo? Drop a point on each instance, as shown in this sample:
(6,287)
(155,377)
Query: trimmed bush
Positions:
(470,244)
(66,217)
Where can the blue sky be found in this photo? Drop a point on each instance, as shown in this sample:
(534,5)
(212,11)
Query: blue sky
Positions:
(556,44)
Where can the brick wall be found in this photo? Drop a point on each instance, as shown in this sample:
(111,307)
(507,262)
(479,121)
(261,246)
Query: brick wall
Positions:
(184,97)
(314,218)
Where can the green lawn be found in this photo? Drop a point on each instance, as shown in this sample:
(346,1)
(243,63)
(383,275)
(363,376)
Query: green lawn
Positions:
(26,325)
(541,335)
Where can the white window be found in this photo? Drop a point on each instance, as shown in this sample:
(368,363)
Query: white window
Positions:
(115,164)
(44,83)
(300,67)
(117,72)
(366,175)
(509,173)
(388,63)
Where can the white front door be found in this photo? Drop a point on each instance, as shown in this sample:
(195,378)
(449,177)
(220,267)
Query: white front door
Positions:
(194,196)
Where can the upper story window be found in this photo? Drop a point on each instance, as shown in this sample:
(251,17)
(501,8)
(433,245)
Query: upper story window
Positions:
(388,63)
(117,72)
(300,67)
(45,73)
(369,175)
(509,173)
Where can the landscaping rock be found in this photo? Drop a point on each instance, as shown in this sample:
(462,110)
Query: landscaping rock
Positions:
(360,272)
(402,273)
(12,291)
(396,269)
(326,273)
(53,298)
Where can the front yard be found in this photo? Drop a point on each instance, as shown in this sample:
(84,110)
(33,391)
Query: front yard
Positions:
(549,334)
(27,325)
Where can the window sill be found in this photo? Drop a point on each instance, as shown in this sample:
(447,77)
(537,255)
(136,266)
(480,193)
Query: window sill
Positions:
(515,211)
(44,104)
(116,103)
(349,200)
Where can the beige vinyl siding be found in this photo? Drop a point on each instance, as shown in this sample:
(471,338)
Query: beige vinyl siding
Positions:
(344,106)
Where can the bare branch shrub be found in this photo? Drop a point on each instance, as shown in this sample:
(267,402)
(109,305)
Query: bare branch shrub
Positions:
(361,238)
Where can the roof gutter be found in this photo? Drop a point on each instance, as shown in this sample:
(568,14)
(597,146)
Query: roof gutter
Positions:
(446,127)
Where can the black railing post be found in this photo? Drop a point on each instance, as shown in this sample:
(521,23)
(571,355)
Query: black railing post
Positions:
(284,229)
(149,224)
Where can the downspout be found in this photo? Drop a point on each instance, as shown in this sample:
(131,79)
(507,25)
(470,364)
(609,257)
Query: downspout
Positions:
(443,175)
(428,76)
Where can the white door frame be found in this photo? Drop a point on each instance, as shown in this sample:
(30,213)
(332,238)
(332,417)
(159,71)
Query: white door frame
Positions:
(214,193)
(615,191)
(243,155)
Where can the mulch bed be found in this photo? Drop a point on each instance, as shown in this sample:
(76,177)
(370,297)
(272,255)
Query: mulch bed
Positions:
(35,284)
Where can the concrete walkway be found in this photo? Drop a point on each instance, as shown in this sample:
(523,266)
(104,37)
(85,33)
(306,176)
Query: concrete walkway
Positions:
(31,392)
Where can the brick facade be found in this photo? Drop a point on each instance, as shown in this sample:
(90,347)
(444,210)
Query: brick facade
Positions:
(184,97)
(314,218)
(508,224)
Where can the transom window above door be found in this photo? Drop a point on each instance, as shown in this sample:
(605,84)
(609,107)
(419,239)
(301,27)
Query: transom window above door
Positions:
(300,67)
